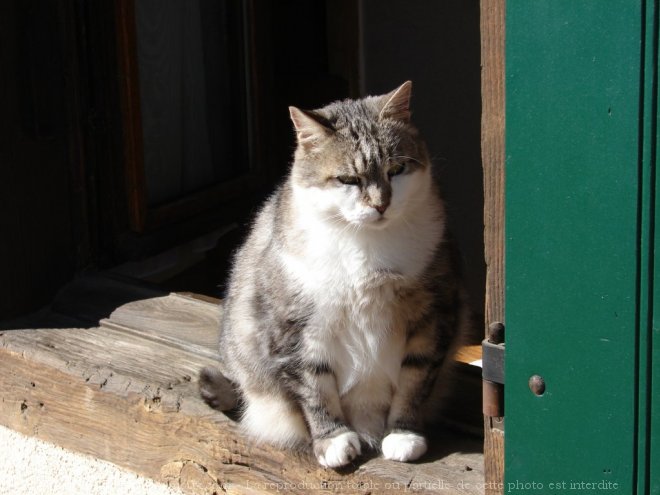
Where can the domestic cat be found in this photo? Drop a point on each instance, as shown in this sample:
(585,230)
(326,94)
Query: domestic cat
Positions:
(344,302)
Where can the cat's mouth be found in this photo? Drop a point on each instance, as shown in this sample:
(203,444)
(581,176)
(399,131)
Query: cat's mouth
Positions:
(368,219)
(374,223)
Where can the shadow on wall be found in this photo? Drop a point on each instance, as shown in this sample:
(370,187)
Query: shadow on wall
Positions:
(437,46)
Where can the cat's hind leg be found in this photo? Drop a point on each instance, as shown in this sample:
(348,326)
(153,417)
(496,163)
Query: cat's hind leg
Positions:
(273,419)
(217,390)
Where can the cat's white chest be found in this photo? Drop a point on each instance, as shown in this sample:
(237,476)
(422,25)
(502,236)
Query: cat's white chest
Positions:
(365,348)
(354,326)
(352,279)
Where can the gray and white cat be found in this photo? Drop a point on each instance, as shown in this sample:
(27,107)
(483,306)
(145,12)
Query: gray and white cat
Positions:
(343,303)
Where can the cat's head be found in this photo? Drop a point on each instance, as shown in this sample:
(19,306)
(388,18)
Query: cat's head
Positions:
(361,161)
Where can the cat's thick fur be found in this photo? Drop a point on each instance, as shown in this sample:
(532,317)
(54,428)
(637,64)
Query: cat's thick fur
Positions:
(343,303)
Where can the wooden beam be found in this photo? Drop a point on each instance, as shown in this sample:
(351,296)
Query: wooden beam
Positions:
(492,150)
(126,392)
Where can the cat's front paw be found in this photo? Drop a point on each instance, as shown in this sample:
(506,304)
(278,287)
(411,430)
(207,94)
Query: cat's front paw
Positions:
(403,446)
(337,451)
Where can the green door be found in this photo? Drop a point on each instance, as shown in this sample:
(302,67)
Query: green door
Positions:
(581,134)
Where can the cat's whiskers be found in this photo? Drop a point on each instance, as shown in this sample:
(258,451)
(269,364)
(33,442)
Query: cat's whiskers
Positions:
(409,158)
(407,223)
(350,226)
(336,220)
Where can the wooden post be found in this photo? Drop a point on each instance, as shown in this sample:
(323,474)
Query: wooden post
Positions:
(492,154)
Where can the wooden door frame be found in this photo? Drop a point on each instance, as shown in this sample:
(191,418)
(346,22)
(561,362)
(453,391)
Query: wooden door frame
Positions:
(141,216)
(492,155)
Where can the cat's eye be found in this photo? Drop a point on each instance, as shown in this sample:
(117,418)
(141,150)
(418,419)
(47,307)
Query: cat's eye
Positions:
(349,180)
(397,169)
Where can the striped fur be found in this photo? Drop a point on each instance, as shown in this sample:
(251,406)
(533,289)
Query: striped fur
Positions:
(343,303)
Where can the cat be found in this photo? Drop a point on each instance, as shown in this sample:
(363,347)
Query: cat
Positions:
(344,302)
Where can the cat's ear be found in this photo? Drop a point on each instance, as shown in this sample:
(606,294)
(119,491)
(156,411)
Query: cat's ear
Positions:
(308,127)
(396,105)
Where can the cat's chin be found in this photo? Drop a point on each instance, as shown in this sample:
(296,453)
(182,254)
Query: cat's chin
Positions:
(375,224)
(380,223)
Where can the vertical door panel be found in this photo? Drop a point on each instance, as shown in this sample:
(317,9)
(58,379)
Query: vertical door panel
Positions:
(652,348)
(572,185)
(648,147)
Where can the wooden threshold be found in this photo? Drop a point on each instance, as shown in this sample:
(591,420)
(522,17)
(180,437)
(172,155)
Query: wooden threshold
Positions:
(125,391)
(469,354)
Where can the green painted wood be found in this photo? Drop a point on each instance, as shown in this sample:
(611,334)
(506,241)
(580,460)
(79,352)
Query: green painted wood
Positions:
(652,387)
(574,72)
(648,137)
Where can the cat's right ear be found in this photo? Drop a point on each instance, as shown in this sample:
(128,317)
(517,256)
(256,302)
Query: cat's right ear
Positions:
(308,129)
(396,105)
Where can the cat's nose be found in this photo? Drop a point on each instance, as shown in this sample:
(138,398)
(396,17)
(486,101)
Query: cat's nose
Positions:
(380,208)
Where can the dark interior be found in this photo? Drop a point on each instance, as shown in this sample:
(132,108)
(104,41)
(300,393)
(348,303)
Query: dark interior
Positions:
(138,137)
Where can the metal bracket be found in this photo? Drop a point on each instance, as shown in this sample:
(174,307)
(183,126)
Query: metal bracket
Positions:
(492,361)
(493,371)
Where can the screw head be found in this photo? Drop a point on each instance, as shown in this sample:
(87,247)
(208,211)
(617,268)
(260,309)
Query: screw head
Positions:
(496,332)
(537,385)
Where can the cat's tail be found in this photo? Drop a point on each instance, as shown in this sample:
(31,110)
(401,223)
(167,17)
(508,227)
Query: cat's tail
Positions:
(217,390)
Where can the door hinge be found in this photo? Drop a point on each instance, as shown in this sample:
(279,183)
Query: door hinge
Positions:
(493,371)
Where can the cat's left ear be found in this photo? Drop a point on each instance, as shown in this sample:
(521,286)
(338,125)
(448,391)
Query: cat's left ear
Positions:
(308,129)
(396,105)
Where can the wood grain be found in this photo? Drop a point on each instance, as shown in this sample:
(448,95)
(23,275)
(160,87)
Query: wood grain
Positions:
(167,319)
(492,149)
(492,146)
(493,456)
(127,393)
(468,354)
(129,89)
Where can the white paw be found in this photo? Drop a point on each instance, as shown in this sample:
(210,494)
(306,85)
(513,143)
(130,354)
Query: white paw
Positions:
(337,451)
(403,447)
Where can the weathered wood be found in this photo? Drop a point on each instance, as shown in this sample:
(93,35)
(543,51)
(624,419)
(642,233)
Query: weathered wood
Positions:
(133,159)
(167,319)
(129,396)
(492,150)
(492,146)
(468,354)
(493,455)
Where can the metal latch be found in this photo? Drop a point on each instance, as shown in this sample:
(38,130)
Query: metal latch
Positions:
(493,371)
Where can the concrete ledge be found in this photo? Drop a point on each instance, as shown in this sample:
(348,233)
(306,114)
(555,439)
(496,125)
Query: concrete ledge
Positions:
(32,466)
